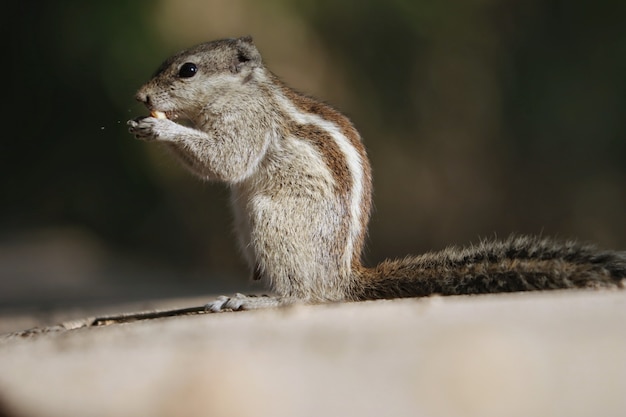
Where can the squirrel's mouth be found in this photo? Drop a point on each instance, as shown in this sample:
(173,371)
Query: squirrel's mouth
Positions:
(173,116)
(163,115)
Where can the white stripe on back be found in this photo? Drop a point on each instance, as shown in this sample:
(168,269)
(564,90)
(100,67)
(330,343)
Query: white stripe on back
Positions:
(352,159)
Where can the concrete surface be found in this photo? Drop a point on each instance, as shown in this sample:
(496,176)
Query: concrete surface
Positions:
(531,354)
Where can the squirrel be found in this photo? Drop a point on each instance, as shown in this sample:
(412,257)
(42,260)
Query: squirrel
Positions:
(301,192)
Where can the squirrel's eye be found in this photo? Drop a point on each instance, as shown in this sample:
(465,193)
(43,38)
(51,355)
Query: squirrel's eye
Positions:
(188,70)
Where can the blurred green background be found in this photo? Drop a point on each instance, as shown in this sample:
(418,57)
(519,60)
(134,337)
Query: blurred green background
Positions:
(481,118)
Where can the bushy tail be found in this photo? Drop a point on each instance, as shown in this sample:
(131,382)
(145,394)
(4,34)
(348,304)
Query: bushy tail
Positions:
(519,263)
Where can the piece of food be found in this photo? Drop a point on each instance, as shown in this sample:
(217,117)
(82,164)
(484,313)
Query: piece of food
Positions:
(158,114)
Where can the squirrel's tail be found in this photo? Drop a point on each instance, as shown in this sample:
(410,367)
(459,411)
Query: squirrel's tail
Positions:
(519,263)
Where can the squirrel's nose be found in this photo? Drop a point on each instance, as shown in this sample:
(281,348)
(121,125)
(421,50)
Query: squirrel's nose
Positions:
(143,97)
(140,96)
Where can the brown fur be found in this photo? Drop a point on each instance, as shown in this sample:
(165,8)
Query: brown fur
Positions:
(331,153)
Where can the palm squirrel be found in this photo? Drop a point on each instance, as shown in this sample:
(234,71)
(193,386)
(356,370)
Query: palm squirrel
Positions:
(301,191)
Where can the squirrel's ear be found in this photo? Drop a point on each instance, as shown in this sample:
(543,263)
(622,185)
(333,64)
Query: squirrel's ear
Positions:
(247,55)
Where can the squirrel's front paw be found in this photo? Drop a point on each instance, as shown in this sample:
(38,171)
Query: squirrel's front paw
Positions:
(150,128)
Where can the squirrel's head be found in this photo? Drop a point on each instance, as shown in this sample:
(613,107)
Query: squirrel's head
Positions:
(211,71)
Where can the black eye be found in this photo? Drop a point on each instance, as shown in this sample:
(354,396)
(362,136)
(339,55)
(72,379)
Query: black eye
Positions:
(188,70)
